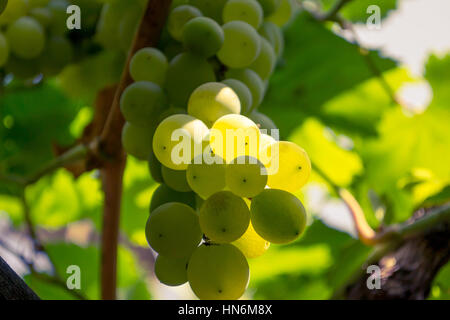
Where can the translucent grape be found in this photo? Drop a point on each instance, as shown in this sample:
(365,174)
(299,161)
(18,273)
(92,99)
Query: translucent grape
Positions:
(213,100)
(233,136)
(4,50)
(26,38)
(274,35)
(246,177)
(142,102)
(58,9)
(185,74)
(252,80)
(170,271)
(137,141)
(163,194)
(173,230)
(263,121)
(278,216)
(149,64)
(206,178)
(57,54)
(203,36)
(251,244)
(177,151)
(155,167)
(249,11)
(211,9)
(42,15)
(269,6)
(241,46)
(289,166)
(179,17)
(243,92)
(12,10)
(175,179)
(218,272)
(266,60)
(283,14)
(224,217)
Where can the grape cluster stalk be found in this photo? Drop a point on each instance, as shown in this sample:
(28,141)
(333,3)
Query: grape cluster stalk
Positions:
(226,181)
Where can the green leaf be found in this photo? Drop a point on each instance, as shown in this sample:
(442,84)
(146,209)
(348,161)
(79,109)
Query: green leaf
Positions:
(356,11)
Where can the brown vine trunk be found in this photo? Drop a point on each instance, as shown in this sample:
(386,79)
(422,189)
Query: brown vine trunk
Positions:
(407,272)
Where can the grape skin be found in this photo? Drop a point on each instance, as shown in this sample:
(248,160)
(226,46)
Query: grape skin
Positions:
(175,179)
(266,60)
(252,80)
(251,244)
(137,140)
(163,194)
(203,36)
(26,38)
(4,50)
(179,17)
(149,64)
(171,272)
(249,11)
(243,92)
(263,121)
(246,177)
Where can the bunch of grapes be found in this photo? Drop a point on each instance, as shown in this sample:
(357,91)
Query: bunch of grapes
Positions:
(34,38)
(226,182)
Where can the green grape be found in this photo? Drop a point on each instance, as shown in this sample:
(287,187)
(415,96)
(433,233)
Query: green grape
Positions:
(203,36)
(107,27)
(155,167)
(265,142)
(170,112)
(251,244)
(213,100)
(212,9)
(254,83)
(22,68)
(266,60)
(4,50)
(218,272)
(128,26)
(173,230)
(269,6)
(3,4)
(243,92)
(172,49)
(249,11)
(278,216)
(206,178)
(263,121)
(176,152)
(26,38)
(272,33)
(163,194)
(185,74)
(58,9)
(12,10)
(224,217)
(37,3)
(179,17)
(142,102)
(283,14)
(149,64)
(137,140)
(175,179)
(288,166)
(170,271)
(42,15)
(246,176)
(241,46)
(57,54)
(233,136)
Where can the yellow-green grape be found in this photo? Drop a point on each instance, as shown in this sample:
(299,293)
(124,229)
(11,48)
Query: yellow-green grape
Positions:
(26,38)
(13,10)
(178,139)
(137,141)
(243,92)
(185,74)
(206,178)
(251,244)
(212,9)
(266,141)
(142,102)
(218,272)
(246,176)
(173,230)
(4,50)
(128,27)
(42,15)
(108,26)
(234,135)
(203,36)
(278,216)
(171,272)
(266,60)
(213,100)
(269,6)
(24,69)
(283,14)
(58,9)
(263,121)
(163,194)
(224,217)
(272,33)
(241,46)
(149,64)
(249,11)
(175,179)
(57,54)
(179,17)
(253,81)
(155,167)
(37,3)
(3,4)
(289,166)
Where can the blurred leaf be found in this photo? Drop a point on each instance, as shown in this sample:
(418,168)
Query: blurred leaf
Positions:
(438,75)
(356,11)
